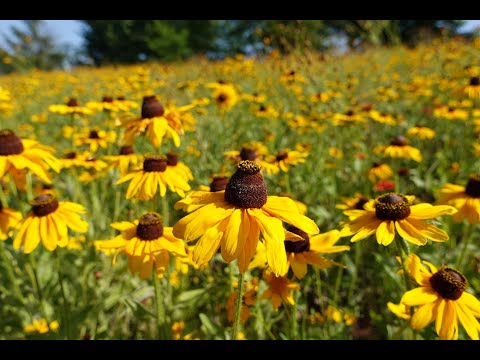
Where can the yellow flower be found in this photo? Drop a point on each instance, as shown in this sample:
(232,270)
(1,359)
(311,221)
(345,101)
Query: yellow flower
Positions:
(450,113)
(382,117)
(286,158)
(473,88)
(125,161)
(225,97)
(421,132)
(234,218)
(9,219)
(95,139)
(379,171)
(147,243)
(466,199)
(178,167)
(154,174)
(349,117)
(71,107)
(83,160)
(399,148)
(17,154)
(41,326)
(441,297)
(393,211)
(280,289)
(254,151)
(266,111)
(355,203)
(48,222)
(248,299)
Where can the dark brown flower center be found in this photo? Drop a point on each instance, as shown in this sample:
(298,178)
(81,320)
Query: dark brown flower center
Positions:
(72,102)
(150,226)
(297,246)
(349,113)
(399,141)
(151,107)
(262,108)
(451,109)
(107,99)
(473,186)
(475,81)
(218,183)
(121,98)
(10,144)
(248,153)
(172,159)
(126,150)
(291,73)
(71,155)
(93,134)
(449,283)
(44,204)
(246,188)
(392,206)
(282,155)
(154,162)
(403,171)
(221,98)
(360,202)
(376,164)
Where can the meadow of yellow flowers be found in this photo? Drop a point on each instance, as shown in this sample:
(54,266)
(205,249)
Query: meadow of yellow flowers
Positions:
(336,196)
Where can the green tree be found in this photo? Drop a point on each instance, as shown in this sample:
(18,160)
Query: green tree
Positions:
(33,47)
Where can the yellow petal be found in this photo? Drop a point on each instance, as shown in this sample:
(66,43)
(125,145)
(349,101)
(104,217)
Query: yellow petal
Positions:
(235,235)
(32,236)
(366,231)
(467,319)
(285,209)
(20,237)
(49,240)
(274,236)
(418,271)
(427,211)
(247,253)
(419,296)
(299,268)
(386,232)
(357,224)
(471,302)
(122,225)
(409,233)
(428,230)
(209,243)
(424,315)
(447,322)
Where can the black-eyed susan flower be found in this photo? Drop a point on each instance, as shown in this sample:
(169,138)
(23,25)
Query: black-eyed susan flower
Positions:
(111,105)
(450,113)
(71,107)
(225,97)
(473,88)
(390,212)
(353,203)
(400,310)
(421,132)
(83,160)
(266,111)
(253,151)
(441,297)
(155,174)
(22,154)
(153,123)
(95,139)
(41,326)
(379,171)
(9,219)
(286,158)
(279,290)
(248,299)
(466,199)
(234,218)
(399,148)
(125,161)
(147,243)
(349,117)
(382,117)
(49,222)
(179,167)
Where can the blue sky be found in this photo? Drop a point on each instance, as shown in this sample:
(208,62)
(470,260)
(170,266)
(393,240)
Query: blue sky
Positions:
(69,31)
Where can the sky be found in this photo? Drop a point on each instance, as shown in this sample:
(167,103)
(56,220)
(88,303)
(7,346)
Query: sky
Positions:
(69,31)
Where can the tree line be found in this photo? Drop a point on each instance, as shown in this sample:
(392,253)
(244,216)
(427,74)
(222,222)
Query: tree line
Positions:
(132,41)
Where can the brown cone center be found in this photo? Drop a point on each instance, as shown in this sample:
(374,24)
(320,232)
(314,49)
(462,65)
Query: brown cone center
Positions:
(172,159)
(151,107)
(399,141)
(10,144)
(392,206)
(297,246)
(44,204)
(154,163)
(449,283)
(248,153)
(475,81)
(150,226)
(473,186)
(218,183)
(246,188)
(126,150)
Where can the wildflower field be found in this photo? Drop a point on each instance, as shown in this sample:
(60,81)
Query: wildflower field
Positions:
(338,196)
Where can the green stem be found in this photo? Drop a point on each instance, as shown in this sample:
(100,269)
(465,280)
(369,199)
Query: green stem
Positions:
(318,285)
(160,308)
(337,284)
(36,285)
(238,305)
(466,242)
(358,258)
(66,309)
(293,319)
(287,183)
(165,212)
(398,242)
(11,275)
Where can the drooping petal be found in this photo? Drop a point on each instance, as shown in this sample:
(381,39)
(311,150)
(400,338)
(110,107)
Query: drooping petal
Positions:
(428,230)
(418,271)
(424,315)
(32,236)
(448,327)
(285,209)
(209,243)
(366,231)
(48,240)
(419,296)
(467,319)
(235,235)
(409,233)
(471,302)
(247,253)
